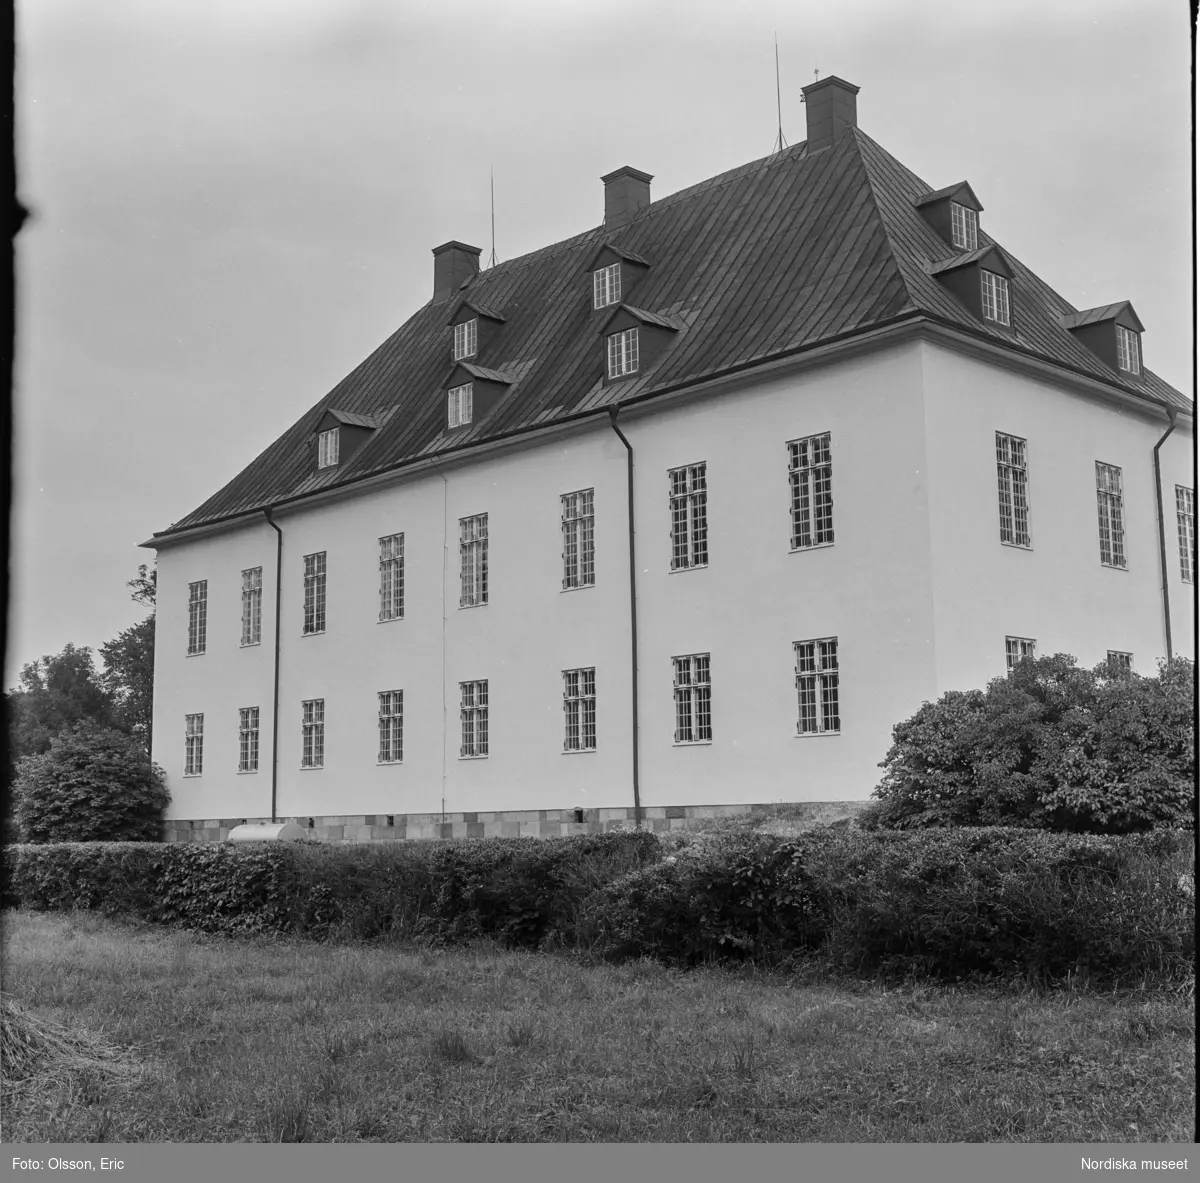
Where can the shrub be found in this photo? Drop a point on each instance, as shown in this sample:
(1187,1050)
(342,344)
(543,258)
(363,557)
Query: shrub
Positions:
(1050,746)
(93,785)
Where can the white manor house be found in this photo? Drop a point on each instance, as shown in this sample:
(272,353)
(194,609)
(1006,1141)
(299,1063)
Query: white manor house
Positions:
(683,512)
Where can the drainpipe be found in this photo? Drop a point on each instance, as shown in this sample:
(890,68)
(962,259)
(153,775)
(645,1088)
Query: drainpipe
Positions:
(275,702)
(613,412)
(1162,534)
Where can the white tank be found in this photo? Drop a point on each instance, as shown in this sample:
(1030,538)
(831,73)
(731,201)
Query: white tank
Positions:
(266,832)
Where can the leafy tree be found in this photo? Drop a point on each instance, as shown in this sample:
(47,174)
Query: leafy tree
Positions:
(128,675)
(55,692)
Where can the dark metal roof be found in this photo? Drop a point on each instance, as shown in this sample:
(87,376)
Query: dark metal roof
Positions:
(482,372)
(954,261)
(475,306)
(352,420)
(949,191)
(648,318)
(1091,316)
(772,258)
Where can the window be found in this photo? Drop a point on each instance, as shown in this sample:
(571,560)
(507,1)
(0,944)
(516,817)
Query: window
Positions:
(193,746)
(460,405)
(314,593)
(964,227)
(1128,353)
(1109,506)
(606,286)
(391,726)
(995,297)
(579,710)
(623,353)
(313,733)
(1013,484)
(473,550)
(474,713)
(689,517)
(810,471)
(1185,514)
(248,739)
(466,339)
(252,606)
(579,542)
(327,448)
(817,687)
(1017,649)
(693,698)
(1120,663)
(197,617)
(391,577)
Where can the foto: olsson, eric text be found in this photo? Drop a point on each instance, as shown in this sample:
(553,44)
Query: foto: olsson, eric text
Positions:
(66,1164)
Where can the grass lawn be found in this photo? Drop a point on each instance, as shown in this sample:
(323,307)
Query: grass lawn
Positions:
(227,1041)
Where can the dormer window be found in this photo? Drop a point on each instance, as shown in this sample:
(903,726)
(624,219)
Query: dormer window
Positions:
(1112,332)
(327,448)
(964,227)
(994,297)
(623,353)
(466,339)
(606,286)
(460,404)
(1129,356)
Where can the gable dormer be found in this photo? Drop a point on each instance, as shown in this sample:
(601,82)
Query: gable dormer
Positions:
(472,327)
(980,279)
(954,213)
(1113,333)
(472,393)
(340,434)
(633,340)
(614,274)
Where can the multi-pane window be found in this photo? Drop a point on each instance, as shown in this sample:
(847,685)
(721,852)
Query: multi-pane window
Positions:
(606,286)
(473,551)
(474,714)
(327,448)
(1185,514)
(252,606)
(579,539)
(579,710)
(1119,662)
(1017,649)
(622,353)
(314,593)
(689,516)
(1128,352)
(693,698)
(391,726)
(810,472)
(964,227)
(460,404)
(248,739)
(1013,481)
(193,745)
(391,577)
(1111,511)
(995,297)
(817,686)
(197,616)
(466,339)
(312,733)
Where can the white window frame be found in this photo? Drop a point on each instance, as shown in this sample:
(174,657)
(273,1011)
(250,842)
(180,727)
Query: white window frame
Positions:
(1110,511)
(197,617)
(1016,649)
(248,721)
(312,733)
(328,447)
(473,555)
(466,338)
(1119,659)
(994,299)
(460,405)
(1012,481)
(579,710)
(693,699)
(606,285)
(579,539)
(314,593)
(1185,518)
(391,727)
(817,681)
(623,353)
(473,715)
(1129,352)
(687,489)
(193,745)
(391,577)
(810,480)
(964,227)
(252,606)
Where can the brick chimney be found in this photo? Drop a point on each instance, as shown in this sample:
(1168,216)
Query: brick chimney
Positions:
(626,192)
(830,106)
(453,262)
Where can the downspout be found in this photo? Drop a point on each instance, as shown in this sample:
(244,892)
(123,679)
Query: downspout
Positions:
(275,701)
(613,412)
(1162,534)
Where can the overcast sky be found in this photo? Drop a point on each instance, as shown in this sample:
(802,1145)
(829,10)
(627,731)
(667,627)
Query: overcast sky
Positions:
(234,200)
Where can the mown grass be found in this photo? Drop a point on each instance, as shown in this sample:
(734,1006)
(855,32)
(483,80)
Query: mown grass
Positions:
(286,1040)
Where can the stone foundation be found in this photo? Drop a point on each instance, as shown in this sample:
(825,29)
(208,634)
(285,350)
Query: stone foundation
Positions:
(521,823)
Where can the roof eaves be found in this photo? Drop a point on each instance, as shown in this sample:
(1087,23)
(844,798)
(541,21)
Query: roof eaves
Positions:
(948,191)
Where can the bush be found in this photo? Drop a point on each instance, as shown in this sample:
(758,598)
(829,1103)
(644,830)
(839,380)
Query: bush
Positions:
(93,785)
(1050,746)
